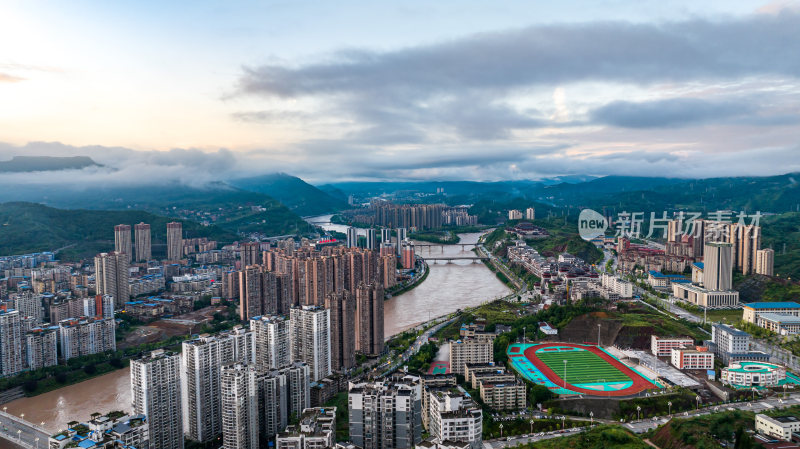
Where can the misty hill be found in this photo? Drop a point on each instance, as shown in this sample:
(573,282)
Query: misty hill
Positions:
(236,210)
(45,163)
(296,194)
(29,227)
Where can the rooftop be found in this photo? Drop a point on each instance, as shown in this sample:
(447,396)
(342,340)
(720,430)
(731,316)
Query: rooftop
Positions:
(781,318)
(773,305)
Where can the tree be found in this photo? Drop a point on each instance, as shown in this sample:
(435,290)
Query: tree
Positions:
(743,440)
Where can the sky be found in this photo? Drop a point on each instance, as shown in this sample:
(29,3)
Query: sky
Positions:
(403,90)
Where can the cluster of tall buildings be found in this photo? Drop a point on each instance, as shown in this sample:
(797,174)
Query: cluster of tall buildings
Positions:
(243,385)
(177,246)
(418,217)
(747,256)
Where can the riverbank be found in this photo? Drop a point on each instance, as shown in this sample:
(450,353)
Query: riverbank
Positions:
(413,285)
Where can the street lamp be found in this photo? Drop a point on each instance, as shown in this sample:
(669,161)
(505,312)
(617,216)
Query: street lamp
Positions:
(531,425)
(501,430)
(669,404)
(638,410)
(697,400)
(565,374)
(754,393)
(784,390)
(598,334)
(591,418)
(19,434)
(36,440)
(22,415)
(563,421)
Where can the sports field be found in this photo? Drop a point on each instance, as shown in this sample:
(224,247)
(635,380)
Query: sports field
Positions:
(439,367)
(588,370)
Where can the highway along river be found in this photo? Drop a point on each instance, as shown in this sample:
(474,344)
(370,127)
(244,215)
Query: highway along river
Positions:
(448,287)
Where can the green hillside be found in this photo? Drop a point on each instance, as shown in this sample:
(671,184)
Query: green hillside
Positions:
(296,194)
(29,227)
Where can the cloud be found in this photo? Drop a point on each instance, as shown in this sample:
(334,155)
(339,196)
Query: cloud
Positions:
(672,112)
(552,54)
(6,78)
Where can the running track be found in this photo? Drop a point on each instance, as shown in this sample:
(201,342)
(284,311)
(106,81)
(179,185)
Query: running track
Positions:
(639,383)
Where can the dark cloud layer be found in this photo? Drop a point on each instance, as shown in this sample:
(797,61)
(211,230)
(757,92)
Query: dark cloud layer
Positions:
(556,54)
(668,113)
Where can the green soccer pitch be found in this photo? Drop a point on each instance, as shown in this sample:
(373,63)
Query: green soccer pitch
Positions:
(583,367)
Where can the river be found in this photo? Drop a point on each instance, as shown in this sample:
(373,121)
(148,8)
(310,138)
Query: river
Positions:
(447,288)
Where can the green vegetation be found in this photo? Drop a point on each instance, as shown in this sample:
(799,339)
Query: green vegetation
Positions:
(28,227)
(564,238)
(601,437)
(496,312)
(706,432)
(296,194)
(342,419)
(441,237)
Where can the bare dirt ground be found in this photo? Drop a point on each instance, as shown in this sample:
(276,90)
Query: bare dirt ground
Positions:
(165,328)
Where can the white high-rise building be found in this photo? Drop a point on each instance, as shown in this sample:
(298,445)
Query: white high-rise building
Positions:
(402,235)
(240,417)
(112,277)
(514,214)
(372,241)
(386,414)
(29,305)
(310,339)
(122,241)
(10,342)
(201,361)
(156,393)
(530,213)
(86,335)
(352,237)
(765,261)
(41,347)
(718,266)
(272,342)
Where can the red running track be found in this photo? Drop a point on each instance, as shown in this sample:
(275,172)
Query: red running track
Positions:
(639,383)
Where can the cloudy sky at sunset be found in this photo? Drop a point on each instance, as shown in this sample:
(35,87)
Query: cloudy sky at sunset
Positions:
(350,90)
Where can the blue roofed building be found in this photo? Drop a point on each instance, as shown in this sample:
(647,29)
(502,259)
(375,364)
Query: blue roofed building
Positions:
(751,311)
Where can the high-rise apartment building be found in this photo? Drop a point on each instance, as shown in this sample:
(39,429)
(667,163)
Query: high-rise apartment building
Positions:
(372,241)
(352,237)
(369,319)
(386,415)
(201,361)
(41,347)
(718,266)
(111,277)
(11,361)
(28,304)
(86,335)
(765,261)
(386,235)
(310,339)
(250,253)
(156,393)
(174,241)
(470,350)
(530,213)
(342,310)
(239,404)
(514,215)
(272,342)
(122,241)
(408,257)
(144,248)
(264,292)
(283,395)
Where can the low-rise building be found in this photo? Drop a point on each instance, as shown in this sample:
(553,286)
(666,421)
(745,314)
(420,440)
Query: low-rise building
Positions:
(663,346)
(112,431)
(751,310)
(692,358)
(657,279)
(779,323)
(746,374)
(780,427)
(316,430)
(504,395)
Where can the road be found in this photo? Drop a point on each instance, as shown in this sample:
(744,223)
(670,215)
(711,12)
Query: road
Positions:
(672,308)
(21,432)
(414,347)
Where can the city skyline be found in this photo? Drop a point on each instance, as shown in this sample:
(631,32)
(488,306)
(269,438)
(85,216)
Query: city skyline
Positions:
(343,91)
